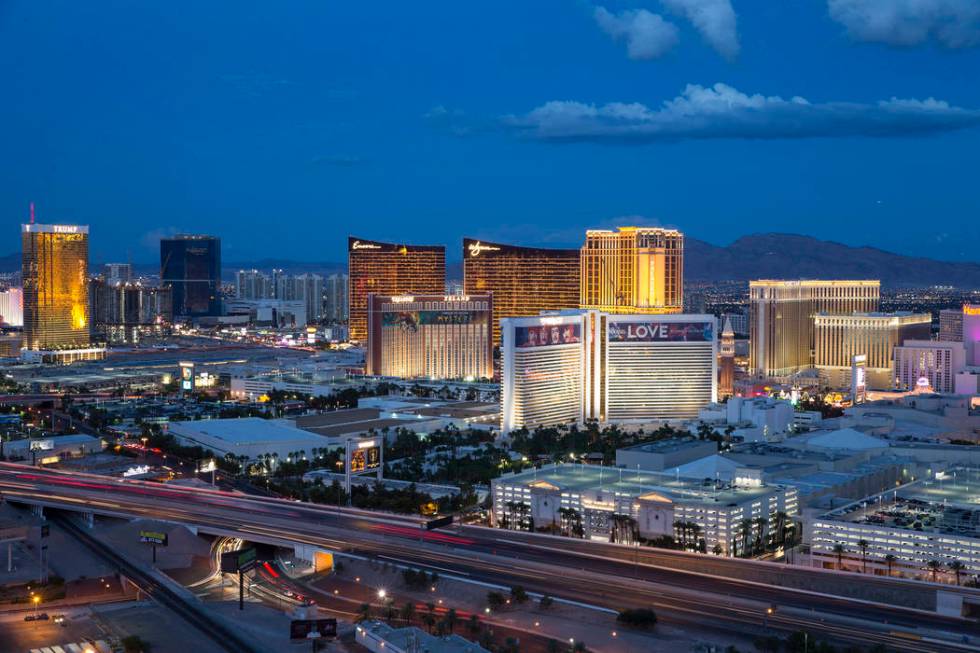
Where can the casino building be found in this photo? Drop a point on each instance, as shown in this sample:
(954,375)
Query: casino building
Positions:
(524,280)
(621,369)
(389,269)
(430,336)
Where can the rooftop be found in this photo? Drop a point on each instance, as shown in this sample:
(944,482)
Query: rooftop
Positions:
(248,431)
(669,445)
(583,478)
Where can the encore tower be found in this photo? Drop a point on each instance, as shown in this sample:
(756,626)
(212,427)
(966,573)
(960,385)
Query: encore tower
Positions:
(524,280)
(633,270)
(55,276)
(190,266)
(390,269)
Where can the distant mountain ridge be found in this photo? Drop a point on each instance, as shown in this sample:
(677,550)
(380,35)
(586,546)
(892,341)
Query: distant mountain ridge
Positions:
(791,256)
(757,256)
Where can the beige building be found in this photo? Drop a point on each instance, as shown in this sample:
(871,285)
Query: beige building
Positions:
(633,270)
(781,318)
(839,338)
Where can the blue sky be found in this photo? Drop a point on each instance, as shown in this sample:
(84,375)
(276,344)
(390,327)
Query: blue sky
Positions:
(284,126)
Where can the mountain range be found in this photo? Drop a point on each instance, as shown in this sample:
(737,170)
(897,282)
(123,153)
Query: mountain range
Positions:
(757,256)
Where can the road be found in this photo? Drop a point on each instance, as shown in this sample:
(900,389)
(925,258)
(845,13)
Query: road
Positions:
(606,576)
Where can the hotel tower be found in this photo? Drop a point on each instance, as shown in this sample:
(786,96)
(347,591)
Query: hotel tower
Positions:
(390,269)
(633,270)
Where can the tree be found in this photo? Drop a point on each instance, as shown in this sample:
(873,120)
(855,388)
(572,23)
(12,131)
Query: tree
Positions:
(643,618)
(840,550)
(518,594)
(546,602)
(473,624)
(364,612)
(957,568)
(451,619)
(495,600)
(890,559)
(934,567)
(408,611)
(863,545)
(429,620)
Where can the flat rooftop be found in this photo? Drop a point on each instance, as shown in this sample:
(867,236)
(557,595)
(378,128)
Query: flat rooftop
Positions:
(667,446)
(583,478)
(248,431)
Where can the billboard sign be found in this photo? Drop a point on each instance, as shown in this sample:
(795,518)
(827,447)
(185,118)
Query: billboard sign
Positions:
(433,524)
(859,383)
(303,628)
(660,331)
(412,320)
(241,560)
(186,376)
(154,537)
(365,457)
(547,335)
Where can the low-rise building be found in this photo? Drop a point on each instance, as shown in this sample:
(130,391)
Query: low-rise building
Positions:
(379,637)
(250,437)
(927,529)
(623,505)
(658,456)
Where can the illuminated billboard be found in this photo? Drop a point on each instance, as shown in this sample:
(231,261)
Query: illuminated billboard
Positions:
(547,335)
(365,457)
(186,376)
(660,331)
(411,320)
(859,383)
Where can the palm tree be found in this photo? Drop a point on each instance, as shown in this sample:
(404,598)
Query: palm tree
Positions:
(839,550)
(863,545)
(408,611)
(746,532)
(934,566)
(957,568)
(890,559)
(451,619)
(364,612)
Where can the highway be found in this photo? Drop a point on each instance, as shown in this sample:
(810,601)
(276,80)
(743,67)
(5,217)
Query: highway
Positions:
(607,576)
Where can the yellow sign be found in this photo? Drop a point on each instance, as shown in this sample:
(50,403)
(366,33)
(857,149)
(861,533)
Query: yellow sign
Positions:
(478,247)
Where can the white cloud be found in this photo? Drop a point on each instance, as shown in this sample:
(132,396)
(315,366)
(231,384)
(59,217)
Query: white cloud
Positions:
(953,23)
(647,35)
(721,111)
(714,19)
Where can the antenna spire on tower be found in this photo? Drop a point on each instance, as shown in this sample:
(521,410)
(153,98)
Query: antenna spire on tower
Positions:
(32,212)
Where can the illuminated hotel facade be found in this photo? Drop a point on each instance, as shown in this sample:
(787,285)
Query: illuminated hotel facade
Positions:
(781,318)
(389,269)
(839,338)
(612,368)
(524,280)
(633,270)
(56,308)
(430,336)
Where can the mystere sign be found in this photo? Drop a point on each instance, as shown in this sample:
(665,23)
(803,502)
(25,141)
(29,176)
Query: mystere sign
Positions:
(658,331)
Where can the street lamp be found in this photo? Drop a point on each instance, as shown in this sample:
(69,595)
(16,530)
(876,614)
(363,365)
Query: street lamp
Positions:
(35,599)
(382,594)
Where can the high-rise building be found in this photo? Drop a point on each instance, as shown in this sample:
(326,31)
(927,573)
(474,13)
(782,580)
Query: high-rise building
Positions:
(971,333)
(613,368)
(114,273)
(190,266)
(726,361)
(951,325)
(390,269)
(55,277)
(781,316)
(126,312)
(633,270)
(928,364)
(524,280)
(12,306)
(335,298)
(252,284)
(839,338)
(430,336)
(312,291)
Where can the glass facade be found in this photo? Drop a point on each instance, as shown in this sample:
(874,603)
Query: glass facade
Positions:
(524,280)
(190,266)
(390,269)
(633,270)
(55,277)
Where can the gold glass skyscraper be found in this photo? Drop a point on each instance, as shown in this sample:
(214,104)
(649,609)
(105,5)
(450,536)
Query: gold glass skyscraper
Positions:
(524,280)
(781,315)
(55,277)
(390,269)
(633,270)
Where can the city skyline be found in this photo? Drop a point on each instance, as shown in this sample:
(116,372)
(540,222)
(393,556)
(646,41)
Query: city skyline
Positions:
(302,128)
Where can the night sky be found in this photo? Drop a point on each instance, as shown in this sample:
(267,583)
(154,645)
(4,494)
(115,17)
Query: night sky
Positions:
(283,126)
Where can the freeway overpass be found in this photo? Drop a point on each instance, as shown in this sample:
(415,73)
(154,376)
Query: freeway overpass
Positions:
(604,575)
